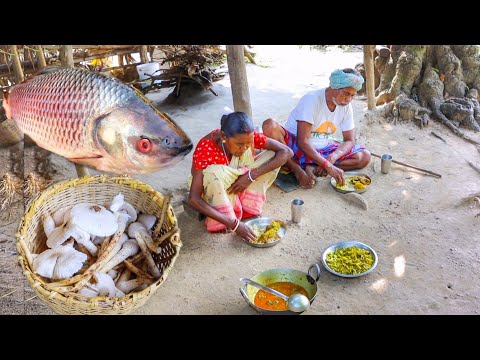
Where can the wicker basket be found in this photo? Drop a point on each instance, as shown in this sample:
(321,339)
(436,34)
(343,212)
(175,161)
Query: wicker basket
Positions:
(99,189)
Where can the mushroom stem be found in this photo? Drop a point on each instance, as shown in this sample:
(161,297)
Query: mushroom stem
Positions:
(124,276)
(138,229)
(148,257)
(128,249)
(128,286)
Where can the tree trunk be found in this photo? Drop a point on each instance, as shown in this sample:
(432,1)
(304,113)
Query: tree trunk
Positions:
(238,78)
(441,81)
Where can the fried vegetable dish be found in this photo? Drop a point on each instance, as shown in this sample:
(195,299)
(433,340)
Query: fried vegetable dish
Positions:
(350,261)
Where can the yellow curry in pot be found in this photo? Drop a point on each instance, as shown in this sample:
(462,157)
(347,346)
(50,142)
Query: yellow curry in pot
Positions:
(268,301)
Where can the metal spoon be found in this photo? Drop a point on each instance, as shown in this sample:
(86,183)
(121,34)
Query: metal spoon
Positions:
(295,302)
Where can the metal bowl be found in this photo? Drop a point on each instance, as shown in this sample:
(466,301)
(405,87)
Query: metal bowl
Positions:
(347,244)
(306,280)
(262,223)
(351,173)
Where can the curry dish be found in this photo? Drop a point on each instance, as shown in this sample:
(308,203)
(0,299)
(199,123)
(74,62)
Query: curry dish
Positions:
(354,182)
(269,234)
(268,301)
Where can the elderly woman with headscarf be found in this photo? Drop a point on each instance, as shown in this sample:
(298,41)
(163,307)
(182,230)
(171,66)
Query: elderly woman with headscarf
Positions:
(231,171)
(310,127)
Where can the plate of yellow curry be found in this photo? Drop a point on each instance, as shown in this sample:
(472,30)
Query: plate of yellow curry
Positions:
(349,259)
(269,231)
(354,182)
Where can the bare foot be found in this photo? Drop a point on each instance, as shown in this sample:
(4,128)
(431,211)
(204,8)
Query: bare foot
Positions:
(305,180)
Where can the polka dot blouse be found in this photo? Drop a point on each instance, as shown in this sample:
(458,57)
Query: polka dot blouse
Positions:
(208,152)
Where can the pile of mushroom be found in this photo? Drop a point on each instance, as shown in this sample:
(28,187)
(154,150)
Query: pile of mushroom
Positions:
(110,250)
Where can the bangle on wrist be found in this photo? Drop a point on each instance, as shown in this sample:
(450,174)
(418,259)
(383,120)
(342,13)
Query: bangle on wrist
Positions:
(250,176)
(237,223)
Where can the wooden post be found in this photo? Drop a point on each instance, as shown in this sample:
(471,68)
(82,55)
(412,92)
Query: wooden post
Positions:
(66,58)
(238,78)
(40,56)
(66,55)
(17,66)
(143,54)
(9,132)
(370,75)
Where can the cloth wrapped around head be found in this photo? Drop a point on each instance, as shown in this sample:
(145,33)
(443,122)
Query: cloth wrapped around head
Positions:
(340,79)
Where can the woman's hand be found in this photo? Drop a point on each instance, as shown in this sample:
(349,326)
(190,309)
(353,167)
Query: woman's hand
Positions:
(245,232)
(240,184)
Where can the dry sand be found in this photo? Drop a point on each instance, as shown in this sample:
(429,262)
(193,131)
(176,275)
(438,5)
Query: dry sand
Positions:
(427,244)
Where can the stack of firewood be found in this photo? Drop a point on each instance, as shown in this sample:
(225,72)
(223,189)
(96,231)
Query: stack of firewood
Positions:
(197,64)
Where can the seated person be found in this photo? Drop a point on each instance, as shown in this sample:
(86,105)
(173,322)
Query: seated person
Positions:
(228,181)
(310,126)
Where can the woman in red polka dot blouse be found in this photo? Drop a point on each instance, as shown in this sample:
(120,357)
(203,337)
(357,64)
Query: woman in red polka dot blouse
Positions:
(229,182)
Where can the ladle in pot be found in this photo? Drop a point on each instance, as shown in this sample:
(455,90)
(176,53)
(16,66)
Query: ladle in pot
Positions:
(295,302)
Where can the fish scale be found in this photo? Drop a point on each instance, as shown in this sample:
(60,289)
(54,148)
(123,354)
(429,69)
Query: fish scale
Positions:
(65,100)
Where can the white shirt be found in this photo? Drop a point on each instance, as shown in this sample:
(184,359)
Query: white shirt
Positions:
(313,109)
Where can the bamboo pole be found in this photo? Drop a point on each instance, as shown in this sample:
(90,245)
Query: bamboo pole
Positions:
(66,55)
(40,56)
(9,132)
(370,75)
(238,78)
(66,58)
(17,66)
(143,54)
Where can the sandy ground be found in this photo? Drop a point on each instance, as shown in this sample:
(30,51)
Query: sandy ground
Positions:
(426,240)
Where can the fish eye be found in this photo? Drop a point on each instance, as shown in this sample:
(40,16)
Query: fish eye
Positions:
(144,145)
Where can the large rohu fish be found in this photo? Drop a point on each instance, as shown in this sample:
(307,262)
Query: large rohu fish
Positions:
(96,121)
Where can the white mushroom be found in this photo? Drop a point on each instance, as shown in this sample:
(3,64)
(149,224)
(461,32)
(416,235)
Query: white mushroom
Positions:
(106,286)
(138,229)
(147,220)
(98,240)
(48,224)
(117,202)
(94,219)
(129,285)
(61,215)
(84,239)
(63,232)
(112,273)
(129,248)
(120,205)
(59,263)
(88,291)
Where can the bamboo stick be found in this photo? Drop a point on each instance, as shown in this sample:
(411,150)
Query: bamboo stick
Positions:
(410,166)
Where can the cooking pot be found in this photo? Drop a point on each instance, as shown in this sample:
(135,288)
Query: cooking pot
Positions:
(306,280)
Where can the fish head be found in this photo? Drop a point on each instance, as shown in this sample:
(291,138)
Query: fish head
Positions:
(138,139)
